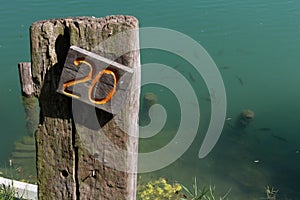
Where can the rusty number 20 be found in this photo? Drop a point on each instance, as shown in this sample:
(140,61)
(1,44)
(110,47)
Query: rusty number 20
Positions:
(104,100)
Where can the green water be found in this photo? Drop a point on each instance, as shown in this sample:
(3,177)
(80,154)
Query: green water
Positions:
(255,44)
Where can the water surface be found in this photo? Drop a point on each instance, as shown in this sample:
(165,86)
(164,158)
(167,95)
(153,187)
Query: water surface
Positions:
(255,44)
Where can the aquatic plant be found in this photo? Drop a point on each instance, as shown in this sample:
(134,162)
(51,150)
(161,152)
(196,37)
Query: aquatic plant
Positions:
(194,195)
(271,193)
(161,190)
(206,193)
(9,193)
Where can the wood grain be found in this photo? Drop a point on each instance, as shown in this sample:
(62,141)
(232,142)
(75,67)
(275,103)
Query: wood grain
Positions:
(73,162)
(96,64)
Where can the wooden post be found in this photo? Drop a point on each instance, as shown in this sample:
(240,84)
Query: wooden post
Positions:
(67,167)
(29,101)
(23,155)
(26,78)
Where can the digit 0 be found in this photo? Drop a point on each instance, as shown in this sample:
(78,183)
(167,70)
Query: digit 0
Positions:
(111,92)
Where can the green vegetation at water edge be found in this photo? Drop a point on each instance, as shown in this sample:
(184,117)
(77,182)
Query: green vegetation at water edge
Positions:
(162,190)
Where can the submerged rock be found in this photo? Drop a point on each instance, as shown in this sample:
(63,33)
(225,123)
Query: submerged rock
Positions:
(245,118)
(149,100)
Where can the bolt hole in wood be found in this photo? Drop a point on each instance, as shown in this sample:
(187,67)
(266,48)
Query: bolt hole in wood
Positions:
(96,155)
(64,173)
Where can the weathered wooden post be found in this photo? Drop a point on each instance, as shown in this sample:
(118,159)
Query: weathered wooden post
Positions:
(23,155)
(73,159)
(149,99)
(25,75)
(29,101)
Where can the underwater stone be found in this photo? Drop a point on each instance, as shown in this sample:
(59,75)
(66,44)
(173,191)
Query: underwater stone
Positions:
(149,100)
(246,117)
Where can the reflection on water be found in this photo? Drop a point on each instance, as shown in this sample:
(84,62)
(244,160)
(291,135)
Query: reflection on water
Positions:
(31,107)
(21,163)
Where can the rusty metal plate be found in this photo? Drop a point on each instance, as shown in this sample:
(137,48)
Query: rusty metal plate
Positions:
(95,80)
